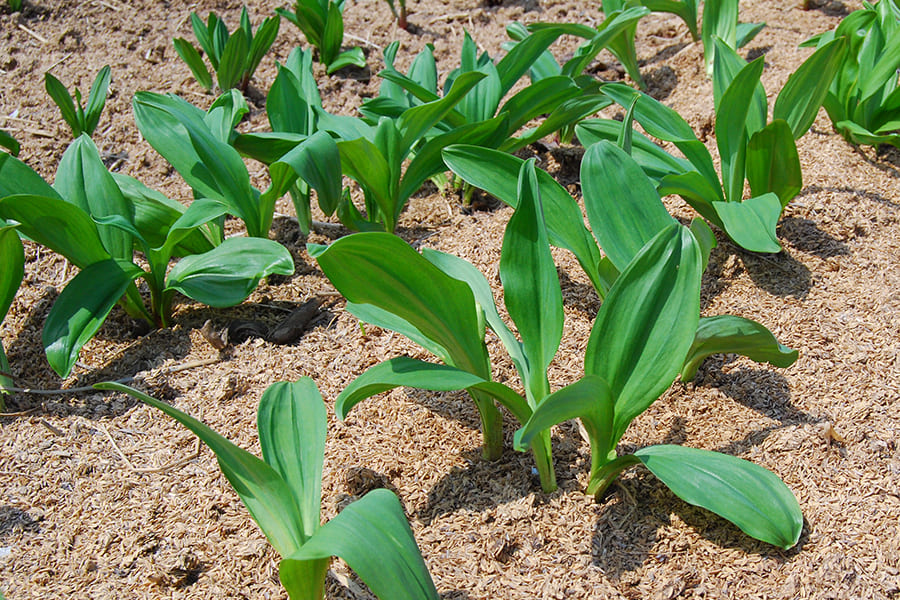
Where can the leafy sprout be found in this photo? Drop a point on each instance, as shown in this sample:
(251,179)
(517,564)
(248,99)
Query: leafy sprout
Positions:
(81,118)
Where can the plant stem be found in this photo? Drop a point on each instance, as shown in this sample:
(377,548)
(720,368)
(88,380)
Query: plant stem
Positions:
(602,475)
(491,425)
(543,460)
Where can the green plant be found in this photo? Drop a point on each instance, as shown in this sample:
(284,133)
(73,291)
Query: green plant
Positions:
(625,212)
(95,219)
(862,101)
(642,332)
(720,20)
(197,145)
(763,154)
(234,57)
(283,493)
(401,15)
(82,119)
(442,303)
(322,22)
(15,5)
(686,10)
(563,99)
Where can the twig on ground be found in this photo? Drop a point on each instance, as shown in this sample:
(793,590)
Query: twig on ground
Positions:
(363,40)
(51,428)
(33,34)
(146,470)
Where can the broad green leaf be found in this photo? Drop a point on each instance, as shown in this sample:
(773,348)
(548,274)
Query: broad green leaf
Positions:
(63,100)
(654,161)
(705,238)
(745,32)
(885,67)
(751,497)
(373,537)
(497,173)
(18,178)
(96,100)
(353,57)
(399,280)
(228,273)
(267,146)
(530,283)
(588,399)
(261,42)
(402,371)
(81,308)
(523,57)
(696,191)
(293,94)
(727,334)
(799,100)
(225,114)
(231,64)
(727,65)
(465,271)
(646,324)
(482,100)
(565,115)
(10,143)
(317,161)
(861,135)
(194,61)
(199,213)
(751,223)
(363,161)
(622,204)
(12,260)
(177,130)
(58,225)
(773,164)
(154,215)
(201,32)
(83,180)
(731,128)
(261,489)
(429,161)
(379,317)
(720,19)
(292,424)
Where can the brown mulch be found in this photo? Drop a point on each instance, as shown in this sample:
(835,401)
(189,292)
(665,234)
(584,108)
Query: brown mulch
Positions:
(102,498)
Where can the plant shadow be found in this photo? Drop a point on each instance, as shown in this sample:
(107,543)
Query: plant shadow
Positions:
(779,274)
(15,520)
(661,82)
(805,235)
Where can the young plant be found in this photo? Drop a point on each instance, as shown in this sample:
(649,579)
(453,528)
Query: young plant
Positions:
(720,21)
(763,154)
(283,493)
(625,212)
(82,119)
(322,22)
(686,10)
(443,303)
(294,108)
(197,145)
(234,57)
(863,100)
(564,100)
(643,330)
(400,15)
(615,33)
(15,5)
(95,219)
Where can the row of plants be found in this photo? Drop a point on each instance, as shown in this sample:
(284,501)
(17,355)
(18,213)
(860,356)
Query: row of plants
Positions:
(644,265)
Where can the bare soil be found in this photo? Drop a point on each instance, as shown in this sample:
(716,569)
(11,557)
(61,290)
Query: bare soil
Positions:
(101,497)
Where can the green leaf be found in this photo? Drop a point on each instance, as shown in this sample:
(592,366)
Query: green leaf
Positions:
(745,32)
(539,98)
(751,223)
(228,273)
(402,372)
(81,308)
(292,425)
(727,65)
(565,115)
(261,489)
(201,32)
(332,34)
(696,191)
(731,128)
(399,280)
(654,161)
(194,61)
(18,178)
(83,180)
(225,113)
(751,497)
(63,100)
(363,161)
(58,225)
(799,100)
(416,121)
(317,161)
(96,100)
(373,537)
(727,334)
(260,43)
(622,204)
(353,57)
(530,283)
(267,146)
(523,57)
(497,173)
(646,324)
(9,142)
(773,164)
(231,64)
(720,19)
(12,269)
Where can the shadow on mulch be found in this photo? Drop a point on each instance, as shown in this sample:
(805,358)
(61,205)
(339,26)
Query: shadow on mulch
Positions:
(779,274)
(15,520)
(805,235)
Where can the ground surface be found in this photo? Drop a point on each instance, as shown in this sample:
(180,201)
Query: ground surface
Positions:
(86,511)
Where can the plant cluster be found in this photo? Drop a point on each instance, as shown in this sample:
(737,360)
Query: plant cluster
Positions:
(645,266)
